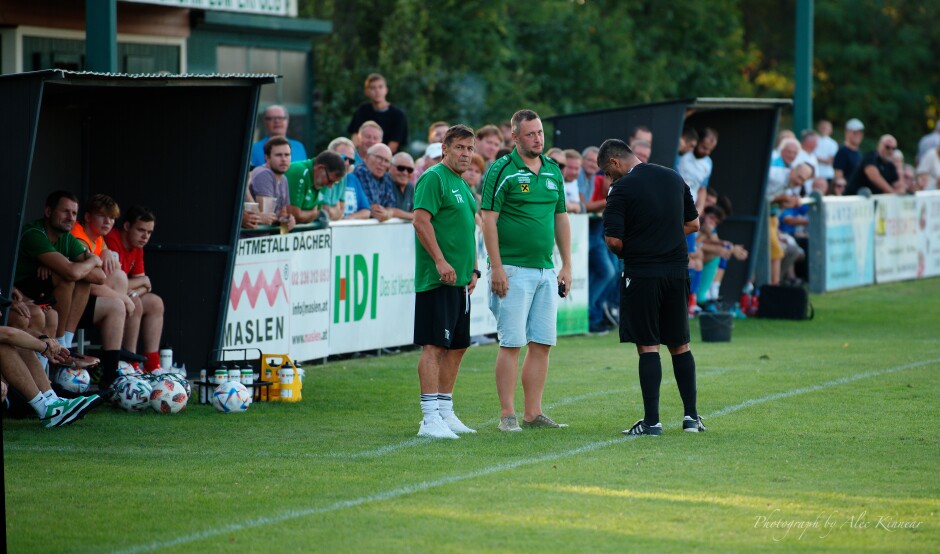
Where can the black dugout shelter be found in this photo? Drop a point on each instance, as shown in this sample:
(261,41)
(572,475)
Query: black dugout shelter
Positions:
(746,132)
(176,144)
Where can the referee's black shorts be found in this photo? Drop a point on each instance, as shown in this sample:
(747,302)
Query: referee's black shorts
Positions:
(654,310)
(442,317)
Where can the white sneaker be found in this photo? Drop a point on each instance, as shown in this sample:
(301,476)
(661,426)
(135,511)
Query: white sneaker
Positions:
(456,425)
(435,428)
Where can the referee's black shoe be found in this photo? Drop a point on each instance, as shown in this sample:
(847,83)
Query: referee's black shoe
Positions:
(641,428)
(693,425)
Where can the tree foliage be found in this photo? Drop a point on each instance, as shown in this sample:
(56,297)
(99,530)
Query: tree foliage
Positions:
(478,62)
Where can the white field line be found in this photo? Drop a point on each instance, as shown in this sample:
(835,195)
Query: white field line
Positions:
(371,453)
(423,486)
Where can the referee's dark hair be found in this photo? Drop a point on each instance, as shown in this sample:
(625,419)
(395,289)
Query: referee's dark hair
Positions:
(457,132)
(613,148)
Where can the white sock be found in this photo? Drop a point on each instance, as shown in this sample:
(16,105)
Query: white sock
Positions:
(445,404)
(429,405)
(713,291)
(50,395)
(66,339)
(39,404)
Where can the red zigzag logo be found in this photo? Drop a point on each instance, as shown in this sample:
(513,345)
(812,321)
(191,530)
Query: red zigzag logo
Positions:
(271,289)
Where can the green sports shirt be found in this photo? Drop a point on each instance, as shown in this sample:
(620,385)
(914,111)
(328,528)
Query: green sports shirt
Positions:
(34,241)
(300,184)
(527,204)
(449,200)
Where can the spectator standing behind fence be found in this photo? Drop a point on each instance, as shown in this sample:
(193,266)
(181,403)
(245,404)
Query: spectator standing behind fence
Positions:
(275,121)
(877,170)
(373,177)
(390,118)
(848,156)
(403,191)
(370,134)
(489,141)
(826,149)
(687,142)
(649,212)
(928,142)
(335,197)
(523,215)
(928,170)
(808,142)
(445,276)
(587,173)
(312,183)
(129,241)
(570,174)
(267,184)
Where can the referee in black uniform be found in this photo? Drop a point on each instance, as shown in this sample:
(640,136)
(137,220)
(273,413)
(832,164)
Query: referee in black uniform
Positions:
(649,212)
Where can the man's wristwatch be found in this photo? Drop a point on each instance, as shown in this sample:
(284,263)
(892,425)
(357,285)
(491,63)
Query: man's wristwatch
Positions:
(43,337)
(478,273)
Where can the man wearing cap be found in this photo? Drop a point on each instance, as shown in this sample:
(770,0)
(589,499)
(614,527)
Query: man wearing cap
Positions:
(523,205)
(877,170)
(445,276)
(848,156)
(432,155)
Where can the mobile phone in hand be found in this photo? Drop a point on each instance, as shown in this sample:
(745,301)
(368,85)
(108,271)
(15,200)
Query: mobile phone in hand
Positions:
(562,289)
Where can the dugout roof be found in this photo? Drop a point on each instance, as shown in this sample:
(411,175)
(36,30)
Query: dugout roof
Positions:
(178,144)
(746,129)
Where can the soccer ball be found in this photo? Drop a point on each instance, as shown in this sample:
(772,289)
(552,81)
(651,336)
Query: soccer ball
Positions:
(168,396)
(125,368)
(231,397)
(133,394)
(73,379)
(181,379)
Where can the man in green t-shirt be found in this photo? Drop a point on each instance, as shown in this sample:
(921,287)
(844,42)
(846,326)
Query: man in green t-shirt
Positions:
(445,276)
(53,264)
(523,207)
(309,180)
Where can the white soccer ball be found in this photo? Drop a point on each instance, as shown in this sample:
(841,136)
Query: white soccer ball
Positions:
(73,379)
(231,397)
(133,394)
(181,379)
(125,368)
(167,396)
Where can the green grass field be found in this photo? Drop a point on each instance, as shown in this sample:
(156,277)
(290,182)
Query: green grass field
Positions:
(830,425)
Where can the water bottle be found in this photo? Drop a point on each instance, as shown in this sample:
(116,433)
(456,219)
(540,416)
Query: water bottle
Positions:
(166,357)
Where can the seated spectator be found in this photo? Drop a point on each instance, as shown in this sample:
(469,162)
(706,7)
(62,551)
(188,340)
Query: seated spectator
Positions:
(877,171)
(687,141)
(55,268)
(782,136)
(20,368)
(109,309)
(570,171)
(356,203)
(391,119)
(146,323)
(276,121)
(714,251)
(778,178)
(268,186)
(310,182)
(334,198)
(784,252)
(373,177)
(488,142)
(401,170)
(837,187)
(370,134)
(928,170)
(642,149)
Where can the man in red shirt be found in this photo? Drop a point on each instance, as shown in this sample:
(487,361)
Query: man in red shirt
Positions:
(146,322)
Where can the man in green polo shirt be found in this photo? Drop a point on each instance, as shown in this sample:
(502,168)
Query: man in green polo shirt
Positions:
(523,207)
(308,182)
(445,276)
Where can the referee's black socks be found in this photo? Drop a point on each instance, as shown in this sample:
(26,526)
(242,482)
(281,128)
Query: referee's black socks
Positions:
(683,366)
(651,375)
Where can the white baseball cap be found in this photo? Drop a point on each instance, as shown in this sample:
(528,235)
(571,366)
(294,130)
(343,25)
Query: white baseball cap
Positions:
(854,125)
(434,150)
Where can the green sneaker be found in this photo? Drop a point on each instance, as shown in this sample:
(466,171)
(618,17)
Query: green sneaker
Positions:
(544,422)
(62,412)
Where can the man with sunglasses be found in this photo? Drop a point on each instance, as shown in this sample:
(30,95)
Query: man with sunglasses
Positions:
(401,172)
(877,171)
(309,182)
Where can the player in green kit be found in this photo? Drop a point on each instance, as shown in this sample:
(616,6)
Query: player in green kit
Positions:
(445,276)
